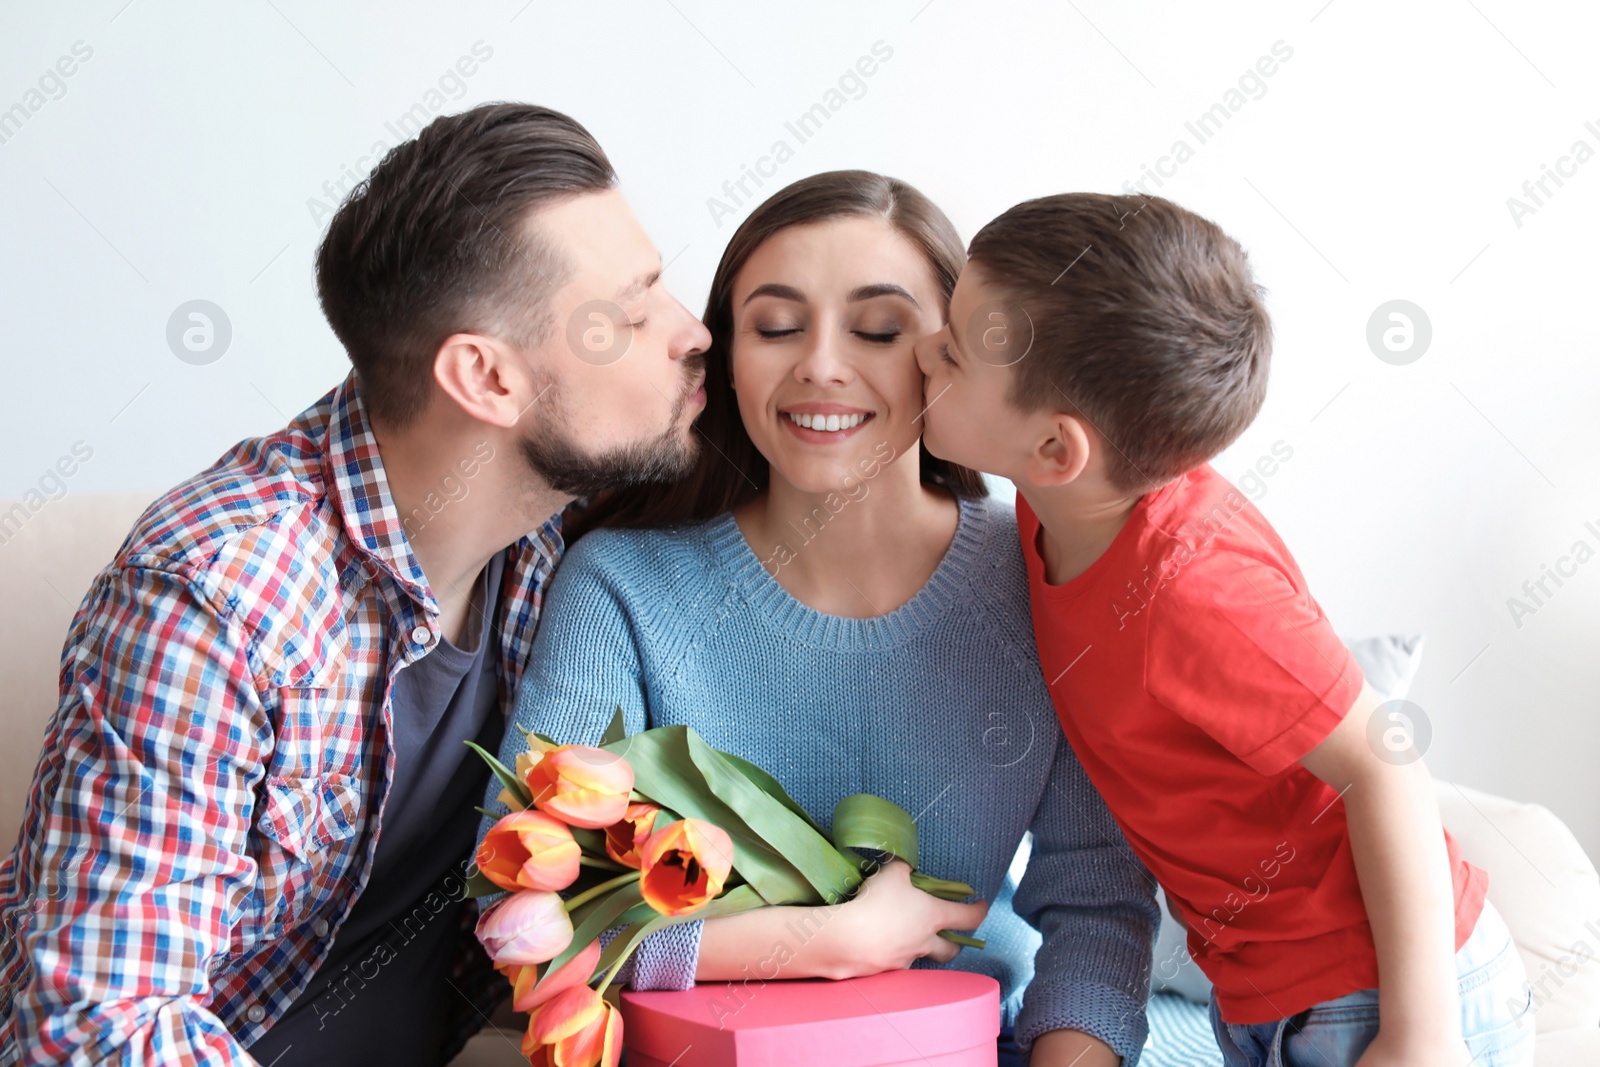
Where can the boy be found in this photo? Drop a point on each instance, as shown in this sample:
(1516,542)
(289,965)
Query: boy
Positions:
(1101,350)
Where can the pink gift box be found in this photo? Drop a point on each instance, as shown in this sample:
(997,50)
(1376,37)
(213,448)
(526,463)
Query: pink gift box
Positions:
(938,1018)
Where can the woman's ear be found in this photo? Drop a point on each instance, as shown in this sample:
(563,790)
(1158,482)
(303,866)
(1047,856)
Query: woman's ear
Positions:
(1061,452)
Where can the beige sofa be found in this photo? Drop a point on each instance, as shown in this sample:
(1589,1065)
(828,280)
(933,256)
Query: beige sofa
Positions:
(1540,879)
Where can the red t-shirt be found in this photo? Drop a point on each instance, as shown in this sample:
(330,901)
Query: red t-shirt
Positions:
(1191,670)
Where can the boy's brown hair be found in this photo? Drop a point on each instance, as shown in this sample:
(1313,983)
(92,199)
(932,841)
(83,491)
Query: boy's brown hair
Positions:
(1142,319)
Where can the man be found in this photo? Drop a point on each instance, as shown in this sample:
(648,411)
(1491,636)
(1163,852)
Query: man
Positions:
(254,807)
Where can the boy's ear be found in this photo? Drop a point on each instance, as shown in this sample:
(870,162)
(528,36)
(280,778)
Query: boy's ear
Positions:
(1061,453)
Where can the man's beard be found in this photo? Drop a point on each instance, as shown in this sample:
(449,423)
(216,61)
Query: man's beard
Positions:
(553,456)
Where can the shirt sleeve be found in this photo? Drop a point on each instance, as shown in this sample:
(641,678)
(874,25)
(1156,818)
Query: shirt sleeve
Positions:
(1094,904)
(1242,651)
(140,855)
(584,663)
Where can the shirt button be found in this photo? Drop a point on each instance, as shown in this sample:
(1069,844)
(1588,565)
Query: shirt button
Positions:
(419,635)
(320,927)
(256,1013)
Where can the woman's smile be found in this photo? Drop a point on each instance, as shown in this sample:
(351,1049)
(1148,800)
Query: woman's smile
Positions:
(824,423)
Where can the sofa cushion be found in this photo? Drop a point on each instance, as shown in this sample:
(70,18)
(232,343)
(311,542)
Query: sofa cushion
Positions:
(49,554)
(1545,886)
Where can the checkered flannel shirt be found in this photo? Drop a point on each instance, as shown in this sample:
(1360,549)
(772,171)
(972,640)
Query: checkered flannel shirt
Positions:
(208,800)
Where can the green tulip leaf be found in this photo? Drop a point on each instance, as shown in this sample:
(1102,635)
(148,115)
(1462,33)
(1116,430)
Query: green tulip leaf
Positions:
(869,823)
(598,916)
(777,852)
(519,789)
(616,731)
(943,888)
(732,902)
(591,841)
(795,837)
(963,939)
(478,885)
(772,787)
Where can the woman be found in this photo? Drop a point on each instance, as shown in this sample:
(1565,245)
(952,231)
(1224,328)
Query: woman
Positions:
(822,597)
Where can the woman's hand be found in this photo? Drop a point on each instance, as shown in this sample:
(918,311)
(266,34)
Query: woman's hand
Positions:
(1071,1048)
(890,923)
(886,926)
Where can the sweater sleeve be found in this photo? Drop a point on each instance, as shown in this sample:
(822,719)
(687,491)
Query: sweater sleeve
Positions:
(584,663)
(1094,904)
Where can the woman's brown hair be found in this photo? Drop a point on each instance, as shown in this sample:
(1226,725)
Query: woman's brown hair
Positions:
(730,469)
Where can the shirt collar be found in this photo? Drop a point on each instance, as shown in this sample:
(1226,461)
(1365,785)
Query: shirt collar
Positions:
(353,471)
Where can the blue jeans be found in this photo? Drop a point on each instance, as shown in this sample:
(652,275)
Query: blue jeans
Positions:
(1496,1015)
(1005,1048)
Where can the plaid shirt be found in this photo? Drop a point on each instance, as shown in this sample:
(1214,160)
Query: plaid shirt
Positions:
(208,801)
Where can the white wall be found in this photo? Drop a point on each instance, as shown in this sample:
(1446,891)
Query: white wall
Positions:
(180,159)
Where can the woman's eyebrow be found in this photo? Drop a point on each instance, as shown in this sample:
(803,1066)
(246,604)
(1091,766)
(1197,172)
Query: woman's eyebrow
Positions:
(867,292)
(782,292)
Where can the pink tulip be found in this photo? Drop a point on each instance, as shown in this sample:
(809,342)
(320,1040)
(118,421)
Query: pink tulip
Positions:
(526,928)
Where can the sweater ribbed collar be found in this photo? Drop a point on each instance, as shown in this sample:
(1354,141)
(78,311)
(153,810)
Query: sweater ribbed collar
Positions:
(947,589)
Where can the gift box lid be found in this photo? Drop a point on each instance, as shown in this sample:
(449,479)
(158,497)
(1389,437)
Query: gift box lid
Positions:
(893,1017)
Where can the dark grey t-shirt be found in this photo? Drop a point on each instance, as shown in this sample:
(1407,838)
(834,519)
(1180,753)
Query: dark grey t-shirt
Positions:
(380,994)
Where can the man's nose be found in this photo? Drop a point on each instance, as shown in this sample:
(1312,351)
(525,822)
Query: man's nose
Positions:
(699,337)
(692,338)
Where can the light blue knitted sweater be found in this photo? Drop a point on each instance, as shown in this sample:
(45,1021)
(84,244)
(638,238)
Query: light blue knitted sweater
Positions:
(938,706)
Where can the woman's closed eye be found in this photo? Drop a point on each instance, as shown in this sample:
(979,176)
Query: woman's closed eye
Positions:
(886,336)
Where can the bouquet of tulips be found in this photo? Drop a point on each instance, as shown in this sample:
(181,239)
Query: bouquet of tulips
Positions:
(644,832)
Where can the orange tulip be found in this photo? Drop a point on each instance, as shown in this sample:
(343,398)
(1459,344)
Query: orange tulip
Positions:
(574,972)
(684,865)
(535,751)
(529,850)
(575,1028)
(538,1055)
(580,785)
(624,836)
(525,928)
(597,1045)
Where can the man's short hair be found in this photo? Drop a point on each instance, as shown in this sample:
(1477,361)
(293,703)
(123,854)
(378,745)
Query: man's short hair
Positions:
(1145,322)
(437,241)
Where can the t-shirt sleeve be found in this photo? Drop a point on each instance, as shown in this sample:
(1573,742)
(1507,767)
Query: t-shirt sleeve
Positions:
(1238,647)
